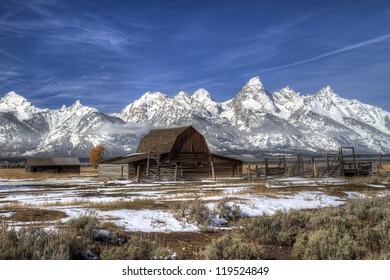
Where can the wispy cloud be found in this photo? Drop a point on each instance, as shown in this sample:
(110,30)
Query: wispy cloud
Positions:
(9,55)
(72,33)
(66,32)
(262,46)
(329,54)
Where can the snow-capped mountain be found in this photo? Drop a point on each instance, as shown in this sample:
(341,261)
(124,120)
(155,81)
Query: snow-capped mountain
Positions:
(26,130)
(254,120)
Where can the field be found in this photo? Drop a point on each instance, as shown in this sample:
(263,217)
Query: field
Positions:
(184,216)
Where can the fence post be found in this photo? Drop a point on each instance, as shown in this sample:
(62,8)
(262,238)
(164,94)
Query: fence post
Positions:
(175,178)
(147,165)
(213,171)
(315,168)
(137,178)
(249,172)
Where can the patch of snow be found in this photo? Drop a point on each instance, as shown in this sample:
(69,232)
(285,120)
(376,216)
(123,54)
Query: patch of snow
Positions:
(353,195)
(376,186)
(148,221)
(6,215)
(302,200)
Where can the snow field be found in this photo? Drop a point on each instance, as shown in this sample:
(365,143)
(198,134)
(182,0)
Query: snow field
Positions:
(73,196)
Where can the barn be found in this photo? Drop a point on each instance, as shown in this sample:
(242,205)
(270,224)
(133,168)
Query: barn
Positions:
(53,165)
(171,153)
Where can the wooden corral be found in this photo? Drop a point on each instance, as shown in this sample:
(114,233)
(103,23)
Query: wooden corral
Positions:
(342,163)
(173,153)
(53,165)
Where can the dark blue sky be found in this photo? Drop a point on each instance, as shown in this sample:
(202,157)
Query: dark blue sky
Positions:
(109,53)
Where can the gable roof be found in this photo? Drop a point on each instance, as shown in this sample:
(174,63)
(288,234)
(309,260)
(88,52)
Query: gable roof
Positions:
(126,159)
(160,141)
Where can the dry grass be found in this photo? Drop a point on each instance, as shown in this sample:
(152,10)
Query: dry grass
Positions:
(35,215)
(20,173)
(187,245)
(136,204)
(191,195)
(386,167)
(363,181)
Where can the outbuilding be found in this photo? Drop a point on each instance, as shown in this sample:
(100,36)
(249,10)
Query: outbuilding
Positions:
(53,165)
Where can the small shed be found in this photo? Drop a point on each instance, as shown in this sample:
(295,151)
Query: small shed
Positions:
(171,153)
(53,165)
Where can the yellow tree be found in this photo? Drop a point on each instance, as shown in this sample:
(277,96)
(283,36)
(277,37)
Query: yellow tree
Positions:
(96,155)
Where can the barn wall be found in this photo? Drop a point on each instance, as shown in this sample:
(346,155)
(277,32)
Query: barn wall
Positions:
(54,169)
(226,167)
(190,141)
(114,171)
(193,165)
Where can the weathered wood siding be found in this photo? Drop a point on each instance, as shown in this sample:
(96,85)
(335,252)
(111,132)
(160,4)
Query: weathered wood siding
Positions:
(190,141)
(193,165)
(54,169)
(181,151)
(226,167)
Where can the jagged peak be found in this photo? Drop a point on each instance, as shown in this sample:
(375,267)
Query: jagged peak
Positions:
(182,96)
(13,97)
(13,94)
(77,104)
(201,94)
(253,88)
(255,91)
(327,90)
(287,91)
(255,84)
(255,81)
(153,94)
(182,93)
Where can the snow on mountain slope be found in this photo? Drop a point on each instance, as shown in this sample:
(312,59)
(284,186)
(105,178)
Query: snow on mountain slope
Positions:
(18,106)
(254,121)
(250,103)
(285,120)
(287,101)
(148,107)
(27,130)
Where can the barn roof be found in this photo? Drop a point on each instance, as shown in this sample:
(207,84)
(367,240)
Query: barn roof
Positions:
(126,159)
(53,161)
(160,141)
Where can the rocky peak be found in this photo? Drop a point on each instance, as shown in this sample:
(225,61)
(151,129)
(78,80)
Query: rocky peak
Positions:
(202,95)
(254,97)
(287,101)
(152,97)
(182,97)
(76,105)
(255,84)
(13,99)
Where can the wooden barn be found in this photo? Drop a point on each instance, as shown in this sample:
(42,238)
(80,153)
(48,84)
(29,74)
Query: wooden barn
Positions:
(53,165)
(171,153)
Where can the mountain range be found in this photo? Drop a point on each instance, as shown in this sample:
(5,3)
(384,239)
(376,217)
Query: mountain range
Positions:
(254,122)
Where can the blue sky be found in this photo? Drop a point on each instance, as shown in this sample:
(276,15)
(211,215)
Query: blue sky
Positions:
(109,53)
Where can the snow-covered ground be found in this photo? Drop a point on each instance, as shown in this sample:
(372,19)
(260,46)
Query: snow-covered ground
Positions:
(77,197)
